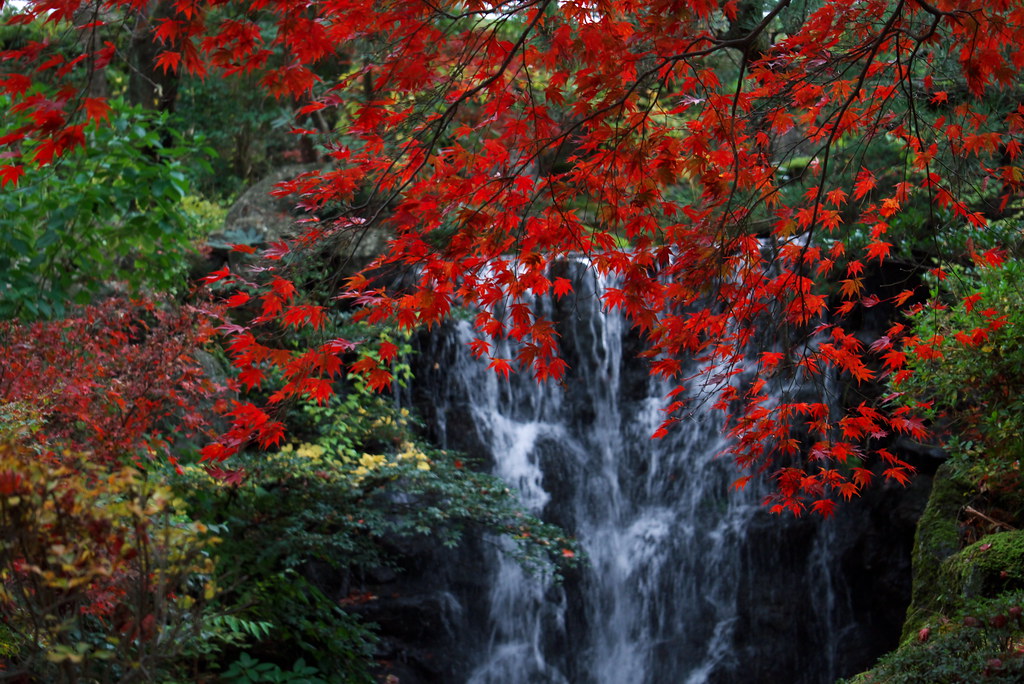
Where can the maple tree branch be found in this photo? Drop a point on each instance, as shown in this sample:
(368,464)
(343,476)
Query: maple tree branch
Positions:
(907,85)
(520,41)
(452,109)
(938,13)
(838,114)
(744,43)
(470,13)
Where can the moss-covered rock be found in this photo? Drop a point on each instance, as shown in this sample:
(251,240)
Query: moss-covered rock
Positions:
(965,621)
(938,537)
(987,568)
(979,642)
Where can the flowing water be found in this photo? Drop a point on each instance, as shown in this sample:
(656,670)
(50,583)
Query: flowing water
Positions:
(686,580)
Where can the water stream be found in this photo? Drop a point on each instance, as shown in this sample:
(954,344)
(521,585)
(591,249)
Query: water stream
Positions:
(687,581)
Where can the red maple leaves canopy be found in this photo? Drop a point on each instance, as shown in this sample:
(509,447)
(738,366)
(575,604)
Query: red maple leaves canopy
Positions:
(729,165)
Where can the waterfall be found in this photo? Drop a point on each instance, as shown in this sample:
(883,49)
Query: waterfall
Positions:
(685,580)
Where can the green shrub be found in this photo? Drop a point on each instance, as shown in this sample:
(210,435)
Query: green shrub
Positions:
(359,486)
(108,215)
(247,669)
(976,381)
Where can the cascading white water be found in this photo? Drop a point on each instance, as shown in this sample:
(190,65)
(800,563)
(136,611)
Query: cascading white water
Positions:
(683,575)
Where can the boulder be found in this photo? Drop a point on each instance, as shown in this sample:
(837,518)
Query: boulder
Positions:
(259,218)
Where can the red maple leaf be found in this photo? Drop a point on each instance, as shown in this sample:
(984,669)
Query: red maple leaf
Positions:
(10,174)
(501,366)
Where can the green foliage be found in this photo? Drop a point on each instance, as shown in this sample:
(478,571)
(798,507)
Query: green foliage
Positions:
(10,643)
(107,214)
(363,475)
(233,628)
(964,622)
(242,126)
(19,419)
(247,669)
(976,380)
(304,619)
(218,634)
(204,216)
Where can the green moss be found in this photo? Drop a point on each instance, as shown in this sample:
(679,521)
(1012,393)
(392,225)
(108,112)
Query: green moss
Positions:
(937,538)
(987,568)
(979,642)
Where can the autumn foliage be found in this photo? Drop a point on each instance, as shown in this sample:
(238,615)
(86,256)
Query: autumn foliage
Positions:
(94,569)
(118,380)
(727,167)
